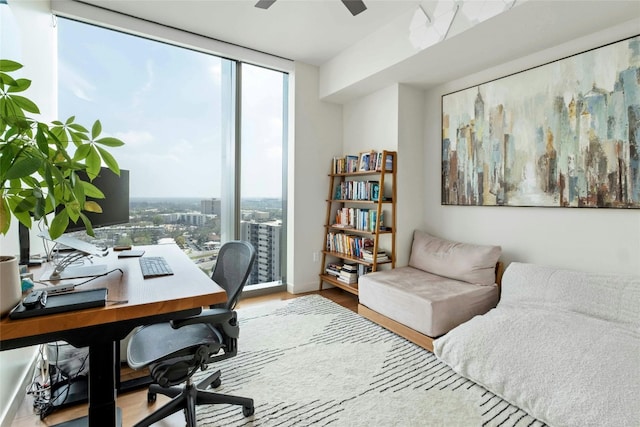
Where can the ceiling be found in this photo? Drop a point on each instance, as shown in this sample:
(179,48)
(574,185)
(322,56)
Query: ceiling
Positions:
(310,31)
(325,34)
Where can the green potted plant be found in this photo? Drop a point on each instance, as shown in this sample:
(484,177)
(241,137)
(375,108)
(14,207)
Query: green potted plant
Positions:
(39,163)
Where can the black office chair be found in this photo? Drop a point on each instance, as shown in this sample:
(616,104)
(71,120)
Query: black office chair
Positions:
(174,351)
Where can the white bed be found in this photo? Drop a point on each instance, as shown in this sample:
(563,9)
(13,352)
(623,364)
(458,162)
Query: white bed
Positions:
(564,346)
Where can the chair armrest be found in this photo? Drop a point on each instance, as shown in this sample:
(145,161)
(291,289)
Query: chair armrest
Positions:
(213,316)
(218,317)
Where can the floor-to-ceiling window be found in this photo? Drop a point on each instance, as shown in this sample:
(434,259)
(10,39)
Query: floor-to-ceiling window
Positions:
(263,121)
(204,165)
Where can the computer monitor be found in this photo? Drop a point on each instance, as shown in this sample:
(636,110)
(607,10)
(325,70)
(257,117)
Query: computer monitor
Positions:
(115,210)
(115,205)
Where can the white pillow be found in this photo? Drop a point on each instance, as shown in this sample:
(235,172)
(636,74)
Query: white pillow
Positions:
(470,263)
(607,296)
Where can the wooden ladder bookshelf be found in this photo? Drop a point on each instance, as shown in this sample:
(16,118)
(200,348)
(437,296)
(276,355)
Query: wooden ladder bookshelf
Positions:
(362,231)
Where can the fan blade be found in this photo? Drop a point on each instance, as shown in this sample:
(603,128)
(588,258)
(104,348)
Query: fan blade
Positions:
(265,4)
(355,6)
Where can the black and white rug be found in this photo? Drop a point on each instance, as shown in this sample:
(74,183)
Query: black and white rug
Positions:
(309,361)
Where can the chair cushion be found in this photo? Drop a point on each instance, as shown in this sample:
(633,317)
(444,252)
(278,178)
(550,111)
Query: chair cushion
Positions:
(461,261)
(152,343)
(428,303)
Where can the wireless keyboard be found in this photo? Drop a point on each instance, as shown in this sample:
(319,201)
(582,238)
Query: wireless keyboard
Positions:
(154,266)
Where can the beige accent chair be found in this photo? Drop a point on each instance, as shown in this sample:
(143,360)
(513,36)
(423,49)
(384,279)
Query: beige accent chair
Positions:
(445,284)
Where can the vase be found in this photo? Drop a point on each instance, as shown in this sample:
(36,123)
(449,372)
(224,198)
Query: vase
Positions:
(10,290)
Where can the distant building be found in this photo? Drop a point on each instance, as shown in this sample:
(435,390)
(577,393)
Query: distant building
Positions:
(210,206)
(193,219)
(266,237)
(261,216)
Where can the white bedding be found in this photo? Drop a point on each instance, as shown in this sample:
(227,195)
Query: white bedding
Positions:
(565,363)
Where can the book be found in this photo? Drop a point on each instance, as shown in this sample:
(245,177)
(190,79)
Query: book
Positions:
(351,163)
(378,165)
(345,164)
(349,268)
(346,273)
(375,190)
(348,281)
(389,163)
(363,269)
(332,271)
(378,259)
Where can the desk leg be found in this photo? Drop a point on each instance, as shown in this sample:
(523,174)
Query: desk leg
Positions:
(102,384)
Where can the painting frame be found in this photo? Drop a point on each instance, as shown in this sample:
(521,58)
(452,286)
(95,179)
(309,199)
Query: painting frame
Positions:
(562,134)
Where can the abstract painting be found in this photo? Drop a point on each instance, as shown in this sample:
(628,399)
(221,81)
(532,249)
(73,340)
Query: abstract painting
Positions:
(564,134)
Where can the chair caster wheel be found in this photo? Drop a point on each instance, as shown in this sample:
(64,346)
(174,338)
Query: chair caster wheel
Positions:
(151,397)
(247,411)
(216,383)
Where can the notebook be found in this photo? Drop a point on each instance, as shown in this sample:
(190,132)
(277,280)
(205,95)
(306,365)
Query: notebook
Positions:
(59,303)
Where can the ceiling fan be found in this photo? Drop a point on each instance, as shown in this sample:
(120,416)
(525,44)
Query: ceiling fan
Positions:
(354,6)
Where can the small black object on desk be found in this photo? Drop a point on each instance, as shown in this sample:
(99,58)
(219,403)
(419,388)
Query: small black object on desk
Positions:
(34,299)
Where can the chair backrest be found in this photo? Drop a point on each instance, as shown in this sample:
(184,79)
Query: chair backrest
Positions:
(232,270)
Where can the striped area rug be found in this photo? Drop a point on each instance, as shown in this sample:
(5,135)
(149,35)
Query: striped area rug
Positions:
(309,361)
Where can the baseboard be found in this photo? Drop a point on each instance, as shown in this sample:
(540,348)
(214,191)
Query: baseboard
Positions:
(17,372)
(412,335)
(262,289)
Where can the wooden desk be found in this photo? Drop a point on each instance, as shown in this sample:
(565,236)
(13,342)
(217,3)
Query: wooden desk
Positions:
(132,301)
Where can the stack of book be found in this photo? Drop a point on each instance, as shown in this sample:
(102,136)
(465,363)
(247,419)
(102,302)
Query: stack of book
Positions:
(381,256)
(333,269)
(348,274)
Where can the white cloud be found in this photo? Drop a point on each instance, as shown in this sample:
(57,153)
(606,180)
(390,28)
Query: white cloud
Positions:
(139,96)
(74,81)
(134,138)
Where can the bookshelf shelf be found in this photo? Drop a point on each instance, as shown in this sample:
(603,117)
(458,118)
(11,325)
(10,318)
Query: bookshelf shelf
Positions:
(353,288)
(356,231)
(361,216)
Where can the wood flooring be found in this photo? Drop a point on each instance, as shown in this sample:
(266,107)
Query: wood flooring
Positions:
(134,403)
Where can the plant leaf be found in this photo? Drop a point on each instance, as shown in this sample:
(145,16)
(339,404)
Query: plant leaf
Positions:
(110,142)
(87,224)
(23,167)
(92,191)
(59,224)
(20,86)
(78,128)
(96,129)
(91,206)
(93,163)
(9,65)
(5,215)
(82,152)
(25,104)
(109,160)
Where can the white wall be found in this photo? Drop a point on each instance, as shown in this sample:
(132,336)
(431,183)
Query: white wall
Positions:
(392,119)
(317,137)
(36,51)
(603,240)
(36,44)
(411,187)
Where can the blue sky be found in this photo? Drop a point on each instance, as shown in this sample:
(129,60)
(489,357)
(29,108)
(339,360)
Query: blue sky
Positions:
(165,103)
